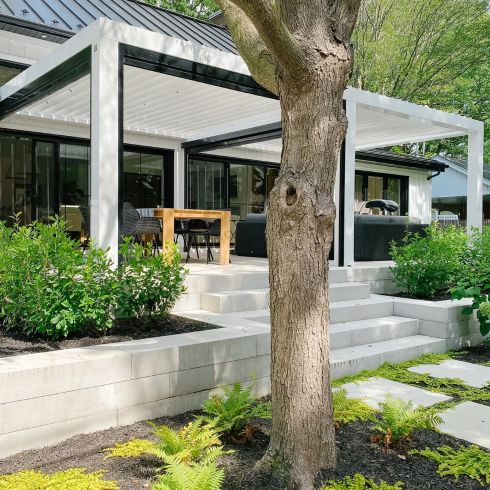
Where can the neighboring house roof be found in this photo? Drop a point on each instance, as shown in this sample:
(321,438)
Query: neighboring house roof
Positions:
(57,20)
(398,160)
(462,166)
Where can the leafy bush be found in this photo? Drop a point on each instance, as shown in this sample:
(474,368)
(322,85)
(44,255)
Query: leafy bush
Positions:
(47,286)
(148,285)
(346,410)
(476,283)
(50,288)
(467,461)
(359,482)
(233,411)
(426,266)
(73,479)
(181,476)
(398,419)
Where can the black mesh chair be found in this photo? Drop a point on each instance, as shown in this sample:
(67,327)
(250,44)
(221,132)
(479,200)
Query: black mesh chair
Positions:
(181,228)
(201,228)
(135,226)
(85,210)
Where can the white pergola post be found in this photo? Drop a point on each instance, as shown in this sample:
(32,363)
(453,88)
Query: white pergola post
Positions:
(104,146)
(337,220)
(350,179)
(179,178)
(474,182)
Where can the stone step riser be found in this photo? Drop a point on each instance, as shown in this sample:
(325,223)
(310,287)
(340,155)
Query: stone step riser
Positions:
(207,283)
(346,362)
(342,313)
(257,299)
(371,332)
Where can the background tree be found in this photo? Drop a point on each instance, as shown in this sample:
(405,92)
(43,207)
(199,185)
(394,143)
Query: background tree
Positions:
(302,52)
(433,52)
(200,9)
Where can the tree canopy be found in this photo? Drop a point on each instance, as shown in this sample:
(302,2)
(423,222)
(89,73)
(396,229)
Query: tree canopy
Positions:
(200,9)
(431,52)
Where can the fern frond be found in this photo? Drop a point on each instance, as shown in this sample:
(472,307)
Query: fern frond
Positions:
(133,448)
(360,482)
(348,410)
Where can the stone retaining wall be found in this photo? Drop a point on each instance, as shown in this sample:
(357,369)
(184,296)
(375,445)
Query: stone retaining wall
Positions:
(48,397)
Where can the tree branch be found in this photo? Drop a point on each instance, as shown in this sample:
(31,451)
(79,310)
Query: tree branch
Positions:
(259,59)
(267,21)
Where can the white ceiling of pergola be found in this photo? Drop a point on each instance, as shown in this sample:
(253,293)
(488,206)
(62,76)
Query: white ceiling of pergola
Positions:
(164,105)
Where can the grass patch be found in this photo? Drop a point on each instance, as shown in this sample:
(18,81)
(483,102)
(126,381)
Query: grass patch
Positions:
(399,372)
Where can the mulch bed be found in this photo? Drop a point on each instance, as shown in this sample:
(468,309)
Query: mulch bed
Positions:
(16,344)
(476,355)
(356,454)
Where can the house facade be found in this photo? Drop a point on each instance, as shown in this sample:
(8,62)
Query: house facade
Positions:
(125,102)
(449,191)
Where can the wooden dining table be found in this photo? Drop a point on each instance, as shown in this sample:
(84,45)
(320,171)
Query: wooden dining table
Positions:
(168,215)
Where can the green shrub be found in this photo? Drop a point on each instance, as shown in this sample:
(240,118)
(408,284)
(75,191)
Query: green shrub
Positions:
(48,287)
(465,461)
(148,285)
(346,410)
(398,419)
(476,283)
(426,266)
(359,482)
(181,476)
(233,411)
(73,479)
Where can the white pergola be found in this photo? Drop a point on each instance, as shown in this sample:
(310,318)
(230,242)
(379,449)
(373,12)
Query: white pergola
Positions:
(120,80)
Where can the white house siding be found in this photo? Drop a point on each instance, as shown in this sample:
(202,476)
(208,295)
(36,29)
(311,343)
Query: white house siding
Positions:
(420,189)
(23,49)
(452,183)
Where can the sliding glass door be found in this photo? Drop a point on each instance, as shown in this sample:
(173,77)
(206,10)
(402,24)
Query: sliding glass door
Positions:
(43,197)
(242,188)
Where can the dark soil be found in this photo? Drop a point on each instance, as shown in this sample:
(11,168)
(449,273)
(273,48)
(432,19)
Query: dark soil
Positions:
(441,296)
(476,355)
(15,344)
(356,454)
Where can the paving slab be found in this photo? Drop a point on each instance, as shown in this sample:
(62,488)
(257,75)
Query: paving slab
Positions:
(468,421)
(375,390)
(472,374)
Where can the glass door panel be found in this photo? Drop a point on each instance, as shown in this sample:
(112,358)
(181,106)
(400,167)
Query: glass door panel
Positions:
(74,188)
(15,178)
(44,203)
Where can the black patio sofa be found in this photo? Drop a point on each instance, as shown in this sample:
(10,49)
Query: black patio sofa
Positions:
(372,235)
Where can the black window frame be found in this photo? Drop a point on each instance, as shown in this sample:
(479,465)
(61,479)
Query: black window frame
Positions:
(226,161)
(404,187)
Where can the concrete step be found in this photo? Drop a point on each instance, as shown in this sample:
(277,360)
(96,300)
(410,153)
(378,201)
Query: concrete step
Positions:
(352,360)
(376,306)
(351,334)
(232,280)
(258,299)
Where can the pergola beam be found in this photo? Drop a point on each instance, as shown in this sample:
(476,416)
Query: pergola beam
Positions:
(235,138)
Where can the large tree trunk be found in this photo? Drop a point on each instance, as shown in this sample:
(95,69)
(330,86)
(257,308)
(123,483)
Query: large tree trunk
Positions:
(300,223)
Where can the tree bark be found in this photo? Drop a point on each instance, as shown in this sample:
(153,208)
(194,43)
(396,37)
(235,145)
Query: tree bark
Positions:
(300,223)
(309,44)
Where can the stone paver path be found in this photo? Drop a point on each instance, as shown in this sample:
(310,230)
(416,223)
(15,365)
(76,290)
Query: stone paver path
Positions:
(468,421)
(471,374)
(375,390)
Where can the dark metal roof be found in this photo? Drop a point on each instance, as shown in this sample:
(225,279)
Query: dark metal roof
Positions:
(398,160)
(57,20)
